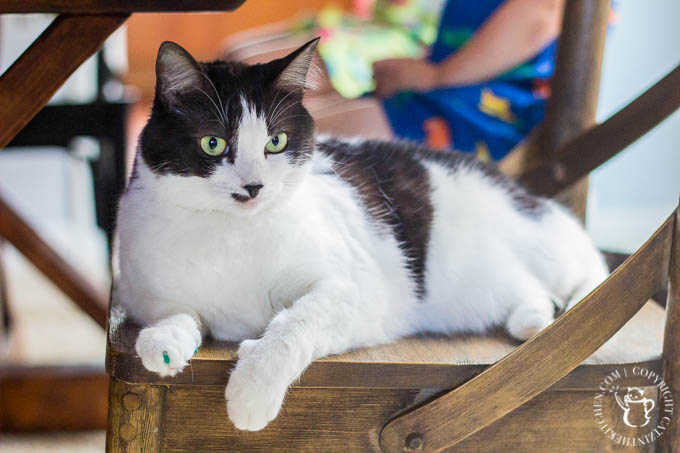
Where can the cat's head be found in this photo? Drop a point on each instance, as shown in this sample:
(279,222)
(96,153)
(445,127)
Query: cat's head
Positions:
(634,394)
(225,135)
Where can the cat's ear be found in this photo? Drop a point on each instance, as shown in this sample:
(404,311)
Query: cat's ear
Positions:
(295,72)
(176,71)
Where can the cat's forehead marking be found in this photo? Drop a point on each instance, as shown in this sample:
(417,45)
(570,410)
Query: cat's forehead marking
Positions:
(252,132)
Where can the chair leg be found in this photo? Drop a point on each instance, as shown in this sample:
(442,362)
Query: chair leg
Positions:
(670,441)
(15,229)
(5,317)
(135,418)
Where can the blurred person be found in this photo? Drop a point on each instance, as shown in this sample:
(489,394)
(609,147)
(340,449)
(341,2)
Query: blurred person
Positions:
(482,87)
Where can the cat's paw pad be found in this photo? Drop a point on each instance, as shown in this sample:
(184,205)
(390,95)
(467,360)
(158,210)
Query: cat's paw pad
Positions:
(166,349)
(254,397)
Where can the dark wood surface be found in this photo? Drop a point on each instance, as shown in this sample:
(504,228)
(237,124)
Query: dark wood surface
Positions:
(671,348)
(32,80)
(117,6)
(574,87)
(5,320)
(189,419)
(600,143)
(135,421)
(37,251)
(52,398)
(543,360)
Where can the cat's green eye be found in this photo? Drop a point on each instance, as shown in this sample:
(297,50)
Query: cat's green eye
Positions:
(213,146)
(277,143)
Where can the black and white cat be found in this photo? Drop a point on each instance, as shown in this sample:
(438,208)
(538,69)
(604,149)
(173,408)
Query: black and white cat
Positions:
(240,223)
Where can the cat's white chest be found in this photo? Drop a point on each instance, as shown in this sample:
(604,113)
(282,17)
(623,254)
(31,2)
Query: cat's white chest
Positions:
(236,276)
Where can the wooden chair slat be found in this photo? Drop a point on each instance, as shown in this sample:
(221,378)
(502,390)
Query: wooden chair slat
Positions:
(47,260)
(573,102)
(32,80)
(115,7)
(600,143)
(671,348)
(543,360)
(56,398)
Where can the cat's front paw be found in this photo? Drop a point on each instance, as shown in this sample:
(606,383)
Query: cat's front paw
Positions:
(166,347)
(255,390)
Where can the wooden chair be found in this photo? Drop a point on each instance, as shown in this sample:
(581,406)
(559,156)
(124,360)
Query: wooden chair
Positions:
(462,394)
(62,397)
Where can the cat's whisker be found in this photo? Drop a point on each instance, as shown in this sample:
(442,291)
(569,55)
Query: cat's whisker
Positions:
(226,107)
(285,109)
(224,119)
(216,108)
(287,118)
(274,110)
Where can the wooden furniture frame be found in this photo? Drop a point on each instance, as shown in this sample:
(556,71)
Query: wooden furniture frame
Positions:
(384,399)
(80,28)
(403,397)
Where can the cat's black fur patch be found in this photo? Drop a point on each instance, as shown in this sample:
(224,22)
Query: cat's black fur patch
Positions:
(170,142)
(395,189)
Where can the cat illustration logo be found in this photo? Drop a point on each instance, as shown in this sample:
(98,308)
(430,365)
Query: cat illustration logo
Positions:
(637,409)
(646,409)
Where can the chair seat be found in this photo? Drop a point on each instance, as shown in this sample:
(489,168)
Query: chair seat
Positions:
(428,361)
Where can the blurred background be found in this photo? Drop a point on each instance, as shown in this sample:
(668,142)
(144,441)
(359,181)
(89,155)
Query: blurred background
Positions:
(53,188)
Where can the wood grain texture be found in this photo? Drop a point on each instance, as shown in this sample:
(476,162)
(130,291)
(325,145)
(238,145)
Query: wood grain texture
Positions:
(543,360)
(47,260)
(52,398)
(117,7)
(600,143)
(670,442)
(135,418)
(419,362)
(348,420)
(32,80)
(573,100)
(574,88)
(554,422)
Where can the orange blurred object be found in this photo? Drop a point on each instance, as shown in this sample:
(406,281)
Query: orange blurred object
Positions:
(202,34)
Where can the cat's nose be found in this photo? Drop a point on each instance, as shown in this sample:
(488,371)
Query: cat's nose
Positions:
(253,189)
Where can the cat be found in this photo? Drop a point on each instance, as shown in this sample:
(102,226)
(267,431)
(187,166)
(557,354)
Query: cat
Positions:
(238,222)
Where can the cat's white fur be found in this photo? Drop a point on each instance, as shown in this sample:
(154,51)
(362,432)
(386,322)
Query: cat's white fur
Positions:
(302,271)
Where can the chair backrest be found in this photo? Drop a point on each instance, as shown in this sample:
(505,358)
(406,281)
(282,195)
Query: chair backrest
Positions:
(567,148)
(573,102)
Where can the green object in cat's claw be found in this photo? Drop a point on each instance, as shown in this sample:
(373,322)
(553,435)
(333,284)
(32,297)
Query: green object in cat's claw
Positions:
(166,357)
(196,351)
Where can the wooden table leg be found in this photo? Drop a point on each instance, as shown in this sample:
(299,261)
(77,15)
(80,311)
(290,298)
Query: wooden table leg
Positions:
(32,80)
(36,250)
(24,89)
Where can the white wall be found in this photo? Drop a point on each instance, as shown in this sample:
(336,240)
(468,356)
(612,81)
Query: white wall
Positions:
(632,194)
